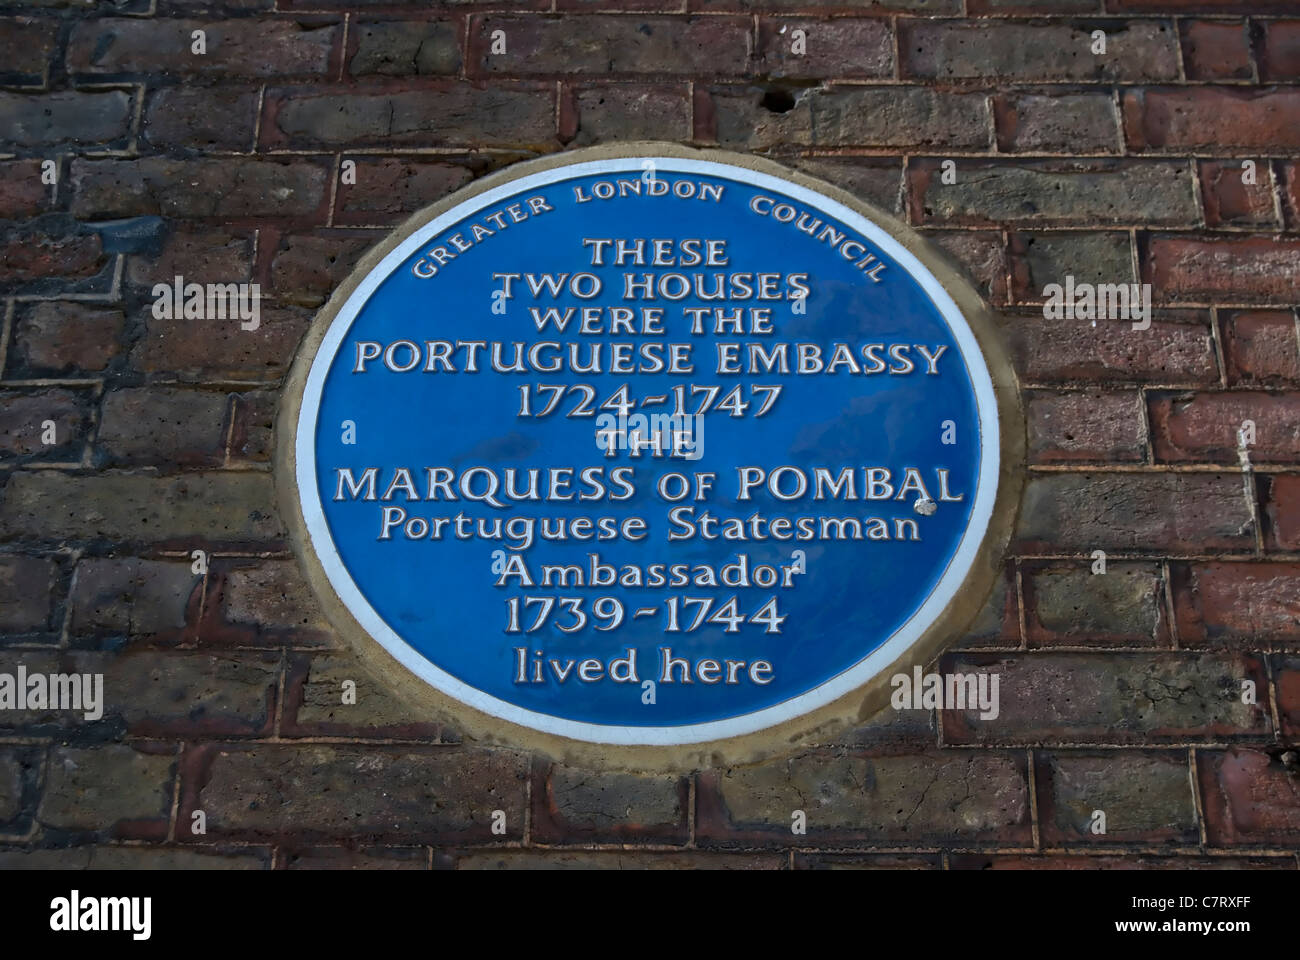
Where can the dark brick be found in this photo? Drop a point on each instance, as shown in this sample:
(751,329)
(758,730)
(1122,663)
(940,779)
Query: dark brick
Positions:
(152,599)
(1282,511)
(1279,53)
(400,48)
(23,418)
(201,118)
(266,604)
(1015,50)
(22,194)
(578,45)
(1229,201)
(388,189)
(54,338)
(1134,512)
(49,257)
(27,47)
(614,112)
(877,181)
(1040,259)
(222,350)
(1286,677)
(315,696)
(608,860)
(573,804)
(309,790)
(434,114)
(1117,698)
(981,256)
(840,47)
(1049,192)
(71,118)
(854,799)
(348,858)
(164,426)
(235,47)
(1144,796)
(112,789)
(26,584)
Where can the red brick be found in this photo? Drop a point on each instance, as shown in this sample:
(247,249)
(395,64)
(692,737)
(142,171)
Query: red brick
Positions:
(1082,512)
(1262,347)
(1219,119)
(235,48)
(982,255)
(1111,698)
(1084,426)
(422,113)
(1230,201)
(1286,678)
(306,269)
(1249,797)
(1246,268)
(1289,175)
(1216,50)
(1282,511)
(200,256)
(61,337)
(1177,348)
(22,194)
(581,45)
(1056,123)
(1248,606)
(221,350)
(388,189)
(37,250)
(1036,50)
(1279,54)
(263,604)
(1203,427)
(835,48)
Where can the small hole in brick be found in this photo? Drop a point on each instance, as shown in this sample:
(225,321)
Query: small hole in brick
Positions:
(778,101)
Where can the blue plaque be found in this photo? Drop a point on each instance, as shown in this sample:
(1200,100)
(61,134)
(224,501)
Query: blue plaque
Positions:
(652,447)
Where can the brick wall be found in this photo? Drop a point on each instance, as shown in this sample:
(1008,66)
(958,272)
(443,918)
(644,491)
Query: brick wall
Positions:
(1120,692)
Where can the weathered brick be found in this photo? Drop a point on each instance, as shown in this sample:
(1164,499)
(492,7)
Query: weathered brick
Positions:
(26,416)
(434,114)
(840,47)
(878,181)
(1261,347)
(1196,6)
(34,720)
(306,269)
(1243,606)
(222,349)
(1286,677)
(1119,698)
(387,189)
(349,858)
(315,706)
(49,256)
(70,118)
(310,790)
(858,861)
(252,426)
(1047,192)
(853,799)
(201,118)
(192,509)
(57,338)
(1249,797)
(981,256)
(1135,512)
(573,804)
(1126,861)
(27,47)
(579,45)
(111,789)
(1251,268)
(1014,50)
(755,118)
(612,112)
(234,47)
(1229,201)
(22,194)
(131,596)
(198,256)
(18,769)
(1204,427)
(1212,118)
(1144,796)
(1085,426)
(1069,604)
(998,622)
(1279,53)
(226,188)
(399,48)
(1060,123)
(1282,511)
(1178,348)
(164,426)
(1216,50)
(607,860)
(268,603)
(26,584)
(1040,259)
